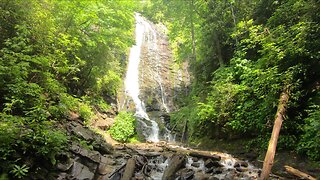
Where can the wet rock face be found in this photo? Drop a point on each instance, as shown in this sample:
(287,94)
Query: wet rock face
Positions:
(195,164)
(106,165)
(81,171)
(97,141)
(85,153)
(241,164)
(160,80)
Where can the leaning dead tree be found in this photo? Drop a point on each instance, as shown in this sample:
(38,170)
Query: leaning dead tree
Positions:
(279,118)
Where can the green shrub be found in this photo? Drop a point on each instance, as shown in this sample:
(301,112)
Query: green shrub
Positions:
(123,127)
(21,136)
(310,142)
(8,135)
(20,171)
(134,139)
(48,142)
(85,111)
(69,103)
(194,122)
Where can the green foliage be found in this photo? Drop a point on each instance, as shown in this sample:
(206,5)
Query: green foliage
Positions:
(97,101)
(310,142)
(56,57)
(22,136)
(4,177)
(109,83)
(190,114)
(85,111)
(180,18)
(246,55)
(85,144)
(134,139)
(123,127)
(20,171)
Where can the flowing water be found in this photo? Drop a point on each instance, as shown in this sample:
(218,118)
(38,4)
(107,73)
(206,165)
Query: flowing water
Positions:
(132,81)
(147,46)
(228,167)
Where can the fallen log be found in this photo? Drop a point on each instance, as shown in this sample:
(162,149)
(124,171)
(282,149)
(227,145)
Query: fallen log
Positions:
(194,153)
(298,173)
(205,155)
(117,170)
(177,162)
(129,170)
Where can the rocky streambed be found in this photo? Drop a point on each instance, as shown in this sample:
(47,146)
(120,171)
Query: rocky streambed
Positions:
(168,161)
(146,161)
(92,157)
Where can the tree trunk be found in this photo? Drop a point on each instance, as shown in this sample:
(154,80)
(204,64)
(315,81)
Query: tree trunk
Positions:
(234,21)
(218,50)
(184,133)
(192,33)
(281,112)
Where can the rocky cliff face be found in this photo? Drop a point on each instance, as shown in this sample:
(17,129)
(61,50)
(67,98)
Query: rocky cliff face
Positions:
(160,78)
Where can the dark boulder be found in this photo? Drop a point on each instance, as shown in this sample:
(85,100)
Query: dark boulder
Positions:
(241,164)
(209,163)
(195,164)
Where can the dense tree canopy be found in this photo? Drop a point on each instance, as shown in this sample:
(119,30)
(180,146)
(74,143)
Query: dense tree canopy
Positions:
(247,52)
(56,57)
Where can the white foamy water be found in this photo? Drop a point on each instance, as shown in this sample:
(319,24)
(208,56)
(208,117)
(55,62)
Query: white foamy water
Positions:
(132,78)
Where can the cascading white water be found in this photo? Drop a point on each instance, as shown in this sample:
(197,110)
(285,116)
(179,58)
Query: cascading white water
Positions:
(132,78)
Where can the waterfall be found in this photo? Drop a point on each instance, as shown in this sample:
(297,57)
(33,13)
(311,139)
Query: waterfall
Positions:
(132,80)
(148,51)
